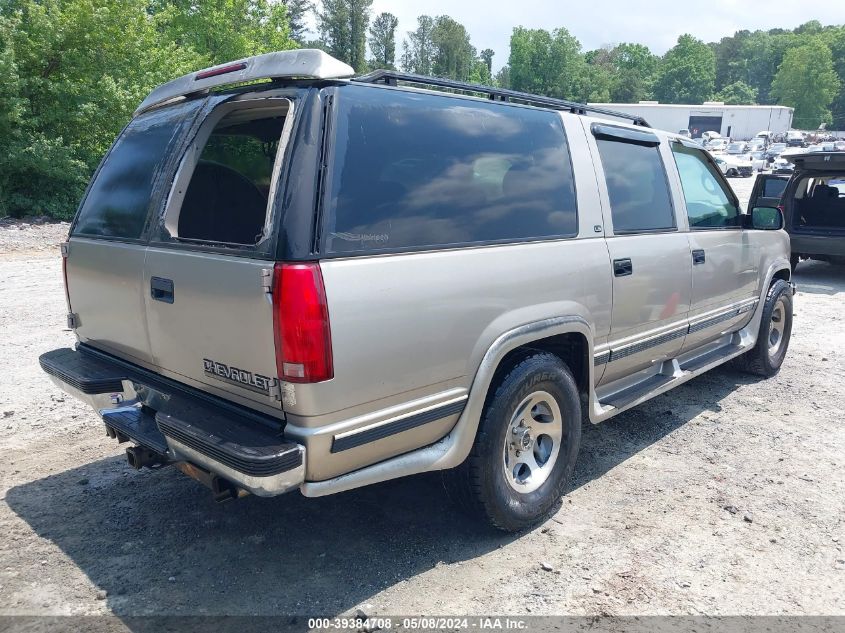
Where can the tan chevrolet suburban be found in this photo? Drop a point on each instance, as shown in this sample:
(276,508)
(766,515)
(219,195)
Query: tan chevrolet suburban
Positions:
(285,277)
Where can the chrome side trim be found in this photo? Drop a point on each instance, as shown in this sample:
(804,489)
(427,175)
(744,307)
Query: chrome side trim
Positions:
(617,353)
(398,424)
(701,322)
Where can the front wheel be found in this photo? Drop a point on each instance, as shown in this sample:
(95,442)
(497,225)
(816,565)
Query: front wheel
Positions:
(767,355)
(526,446)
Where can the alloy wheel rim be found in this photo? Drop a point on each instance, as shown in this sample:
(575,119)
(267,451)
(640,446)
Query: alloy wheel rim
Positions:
(532,442)
(777,326)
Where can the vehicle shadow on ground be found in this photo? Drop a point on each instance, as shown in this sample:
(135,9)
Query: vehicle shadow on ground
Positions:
(157,543)
(820,278)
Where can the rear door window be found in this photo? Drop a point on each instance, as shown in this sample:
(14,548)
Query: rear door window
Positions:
(637,187)
(414,170)
(118,201)
(229,175)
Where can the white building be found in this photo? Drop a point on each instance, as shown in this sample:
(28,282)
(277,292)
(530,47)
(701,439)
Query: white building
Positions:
(734,121)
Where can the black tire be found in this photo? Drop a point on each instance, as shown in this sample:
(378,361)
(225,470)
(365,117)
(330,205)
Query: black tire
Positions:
(731,173)
(794,258)
(761,359)
(480,485)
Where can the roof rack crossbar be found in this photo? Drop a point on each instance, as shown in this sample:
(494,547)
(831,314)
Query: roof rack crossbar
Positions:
(392,77)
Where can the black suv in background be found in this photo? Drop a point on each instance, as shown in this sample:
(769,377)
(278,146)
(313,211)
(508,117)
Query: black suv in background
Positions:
(813,203)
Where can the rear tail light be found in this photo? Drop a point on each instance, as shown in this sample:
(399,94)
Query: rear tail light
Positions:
(301,323)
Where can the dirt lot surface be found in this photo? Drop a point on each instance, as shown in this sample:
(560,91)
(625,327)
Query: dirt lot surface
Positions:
(724,496)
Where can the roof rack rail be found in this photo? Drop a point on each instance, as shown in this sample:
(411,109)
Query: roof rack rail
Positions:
(393,77)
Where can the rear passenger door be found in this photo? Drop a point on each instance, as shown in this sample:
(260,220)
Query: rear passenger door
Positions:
(724,256)
(649,254)
(210,321)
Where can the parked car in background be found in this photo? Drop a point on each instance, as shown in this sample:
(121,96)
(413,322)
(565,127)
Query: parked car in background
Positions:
(737,147)
(717,145)
(735,166)
(775,150)
(685,133)
(765,136)
(782,166)
(323,282)
(794,138)
(839,146)
(813,201)
(758,160)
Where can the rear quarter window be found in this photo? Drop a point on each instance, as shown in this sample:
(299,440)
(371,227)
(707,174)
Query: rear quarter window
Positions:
(118,200)
(416,170)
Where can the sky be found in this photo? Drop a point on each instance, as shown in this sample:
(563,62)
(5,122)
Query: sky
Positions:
(656,23)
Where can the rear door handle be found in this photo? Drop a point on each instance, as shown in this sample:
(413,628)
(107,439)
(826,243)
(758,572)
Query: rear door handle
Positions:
(622,267)
(161,289)
(698,256)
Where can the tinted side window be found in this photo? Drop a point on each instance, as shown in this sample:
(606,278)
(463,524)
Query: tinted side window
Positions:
(416,170)
(118,201)
(637,187)
(773,187)
(708,204)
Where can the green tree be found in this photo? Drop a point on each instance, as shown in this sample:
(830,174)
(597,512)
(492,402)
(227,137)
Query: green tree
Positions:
(342,25)
(454,55)
(383,41)
(687,73)
(73,71)
(807,81)
(503,77)
(634,70)
(737,93)
(545,63)
(418,48)
(487,56)
(223,30)
(297,12)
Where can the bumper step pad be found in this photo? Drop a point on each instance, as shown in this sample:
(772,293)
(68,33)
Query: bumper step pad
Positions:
(244,441)
(87,374)
(236,442)
(138,425)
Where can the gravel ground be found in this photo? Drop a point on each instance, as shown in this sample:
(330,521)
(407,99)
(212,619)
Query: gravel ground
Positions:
(724,496)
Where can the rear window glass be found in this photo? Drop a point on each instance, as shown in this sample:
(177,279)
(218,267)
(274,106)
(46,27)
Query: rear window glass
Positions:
(416,170)
(117,203)
(773,187)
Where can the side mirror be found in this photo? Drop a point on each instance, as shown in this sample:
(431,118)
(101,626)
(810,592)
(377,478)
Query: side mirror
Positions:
(765,219)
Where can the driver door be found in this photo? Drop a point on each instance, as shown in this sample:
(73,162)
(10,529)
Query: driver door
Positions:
(725,260)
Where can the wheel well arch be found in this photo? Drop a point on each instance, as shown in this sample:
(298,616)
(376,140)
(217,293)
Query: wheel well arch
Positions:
(572,348)
(783,273)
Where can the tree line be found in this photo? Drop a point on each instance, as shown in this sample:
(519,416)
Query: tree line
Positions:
(72,71)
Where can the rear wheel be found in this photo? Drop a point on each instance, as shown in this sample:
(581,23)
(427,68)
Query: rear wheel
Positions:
(526,446)
(731,173)
(767,355)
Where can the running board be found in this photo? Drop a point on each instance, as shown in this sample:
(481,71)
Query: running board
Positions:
(672,373)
